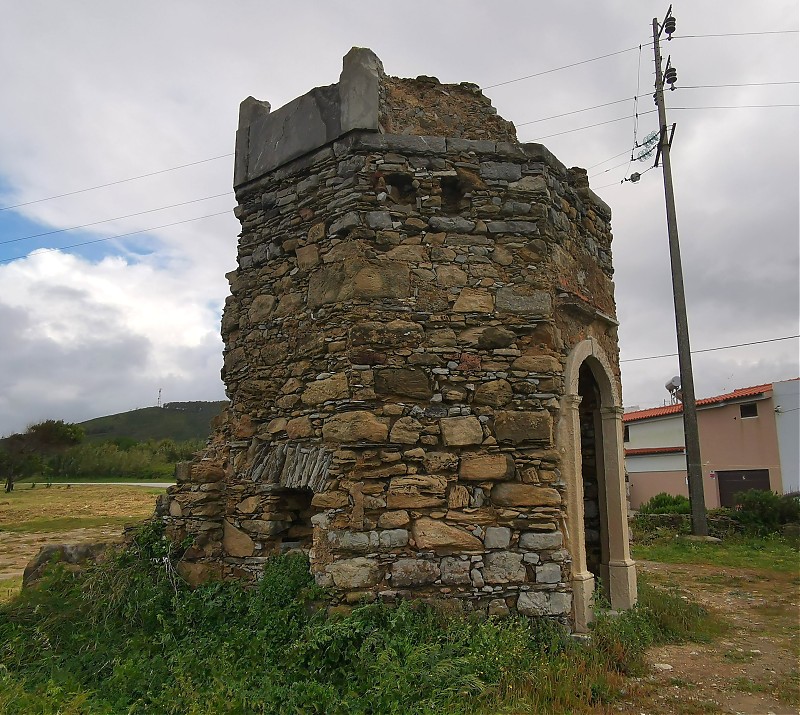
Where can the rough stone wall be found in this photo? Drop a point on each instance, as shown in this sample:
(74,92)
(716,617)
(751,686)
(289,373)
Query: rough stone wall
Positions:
(394,344)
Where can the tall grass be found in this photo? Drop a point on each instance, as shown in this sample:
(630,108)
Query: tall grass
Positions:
(127,637)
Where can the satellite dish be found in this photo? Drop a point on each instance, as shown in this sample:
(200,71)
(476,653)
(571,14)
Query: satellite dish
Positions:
(674,383)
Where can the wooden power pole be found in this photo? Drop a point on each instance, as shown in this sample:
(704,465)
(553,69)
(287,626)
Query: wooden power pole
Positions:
(694,466)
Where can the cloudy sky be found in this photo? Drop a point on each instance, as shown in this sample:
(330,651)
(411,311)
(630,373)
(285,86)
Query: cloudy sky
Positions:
(97,92)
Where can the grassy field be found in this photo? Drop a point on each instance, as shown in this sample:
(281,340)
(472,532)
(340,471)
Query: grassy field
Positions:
(749,552)
(31,518)
(129,637)
(64,508)
(38,482)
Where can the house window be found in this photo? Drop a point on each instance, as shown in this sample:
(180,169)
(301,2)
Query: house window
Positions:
(626,434)
(748,409)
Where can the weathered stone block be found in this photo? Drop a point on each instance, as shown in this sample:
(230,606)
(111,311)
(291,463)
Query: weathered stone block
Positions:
(495,393)
(481,467)
(498,607)
(440,462)
(508,300)
(434,534)
(519,427)
(357,279)
(357,426)
(334,387)
(393,519)
(474,300)
(461,431)
(395,334)
(503,567)
(261,308)
(505,171)
(235,542)
(359,572)
(537,364)
(548,573)
(393,538)
(497,537)
(455,571)
(515,494)
(540,541)
(405,431)
(349,541)
(299,428)
(533,603)
(414,572)
(307,257)
(408,382)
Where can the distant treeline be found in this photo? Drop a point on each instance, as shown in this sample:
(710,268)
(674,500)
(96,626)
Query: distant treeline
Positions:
(57,450)
(122,458)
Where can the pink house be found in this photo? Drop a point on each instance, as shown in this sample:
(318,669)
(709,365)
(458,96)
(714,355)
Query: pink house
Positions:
(748,440)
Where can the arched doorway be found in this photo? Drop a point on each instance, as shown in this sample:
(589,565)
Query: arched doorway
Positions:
(590,441)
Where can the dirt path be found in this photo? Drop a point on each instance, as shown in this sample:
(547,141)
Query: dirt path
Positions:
(752,669)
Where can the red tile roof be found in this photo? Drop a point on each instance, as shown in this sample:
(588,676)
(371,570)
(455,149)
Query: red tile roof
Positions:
(653,450)
(677,409)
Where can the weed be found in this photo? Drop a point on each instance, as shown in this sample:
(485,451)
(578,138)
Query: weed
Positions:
(125,636)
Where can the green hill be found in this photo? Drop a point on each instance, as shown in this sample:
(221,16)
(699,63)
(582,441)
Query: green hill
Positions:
(175,420)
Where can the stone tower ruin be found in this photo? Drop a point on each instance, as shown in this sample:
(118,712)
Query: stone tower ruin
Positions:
(421,359)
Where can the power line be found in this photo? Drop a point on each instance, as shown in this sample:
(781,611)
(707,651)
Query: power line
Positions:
(708,350)
(741,84)
(590,126)
(558,69)
(600,163)
(114,183)
(611,168)
(120,235)
(737,34)
(738,106)
(576,111)
(117,218)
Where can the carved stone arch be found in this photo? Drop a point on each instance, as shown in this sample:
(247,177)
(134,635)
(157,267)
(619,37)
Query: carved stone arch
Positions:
(616,569)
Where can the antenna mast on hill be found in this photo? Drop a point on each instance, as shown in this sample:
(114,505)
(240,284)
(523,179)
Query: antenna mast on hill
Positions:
(159,397)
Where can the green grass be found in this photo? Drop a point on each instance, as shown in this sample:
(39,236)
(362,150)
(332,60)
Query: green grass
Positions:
(127,637)
(40,482)
(66,523)
(775,553)
(9,587)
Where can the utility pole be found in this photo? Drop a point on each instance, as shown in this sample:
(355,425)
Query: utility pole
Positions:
(694,466)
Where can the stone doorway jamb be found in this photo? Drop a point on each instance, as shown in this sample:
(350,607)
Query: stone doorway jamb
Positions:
(621,568)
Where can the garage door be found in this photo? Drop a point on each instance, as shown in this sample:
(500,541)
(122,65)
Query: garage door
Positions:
(732,482)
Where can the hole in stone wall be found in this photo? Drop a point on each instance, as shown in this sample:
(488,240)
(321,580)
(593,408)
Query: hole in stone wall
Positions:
(453,191)
(294,506)
(400,188)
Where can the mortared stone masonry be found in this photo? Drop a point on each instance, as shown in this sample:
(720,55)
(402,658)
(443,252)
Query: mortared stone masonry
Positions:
(410,283)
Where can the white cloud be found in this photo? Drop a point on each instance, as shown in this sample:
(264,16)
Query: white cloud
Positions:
(117,91)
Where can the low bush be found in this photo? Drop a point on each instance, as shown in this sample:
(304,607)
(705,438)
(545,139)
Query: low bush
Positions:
(664,503)
(127,636)
(763,512)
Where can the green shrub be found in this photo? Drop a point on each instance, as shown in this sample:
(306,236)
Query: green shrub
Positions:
(763,512)
(664,503)
(127,636)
